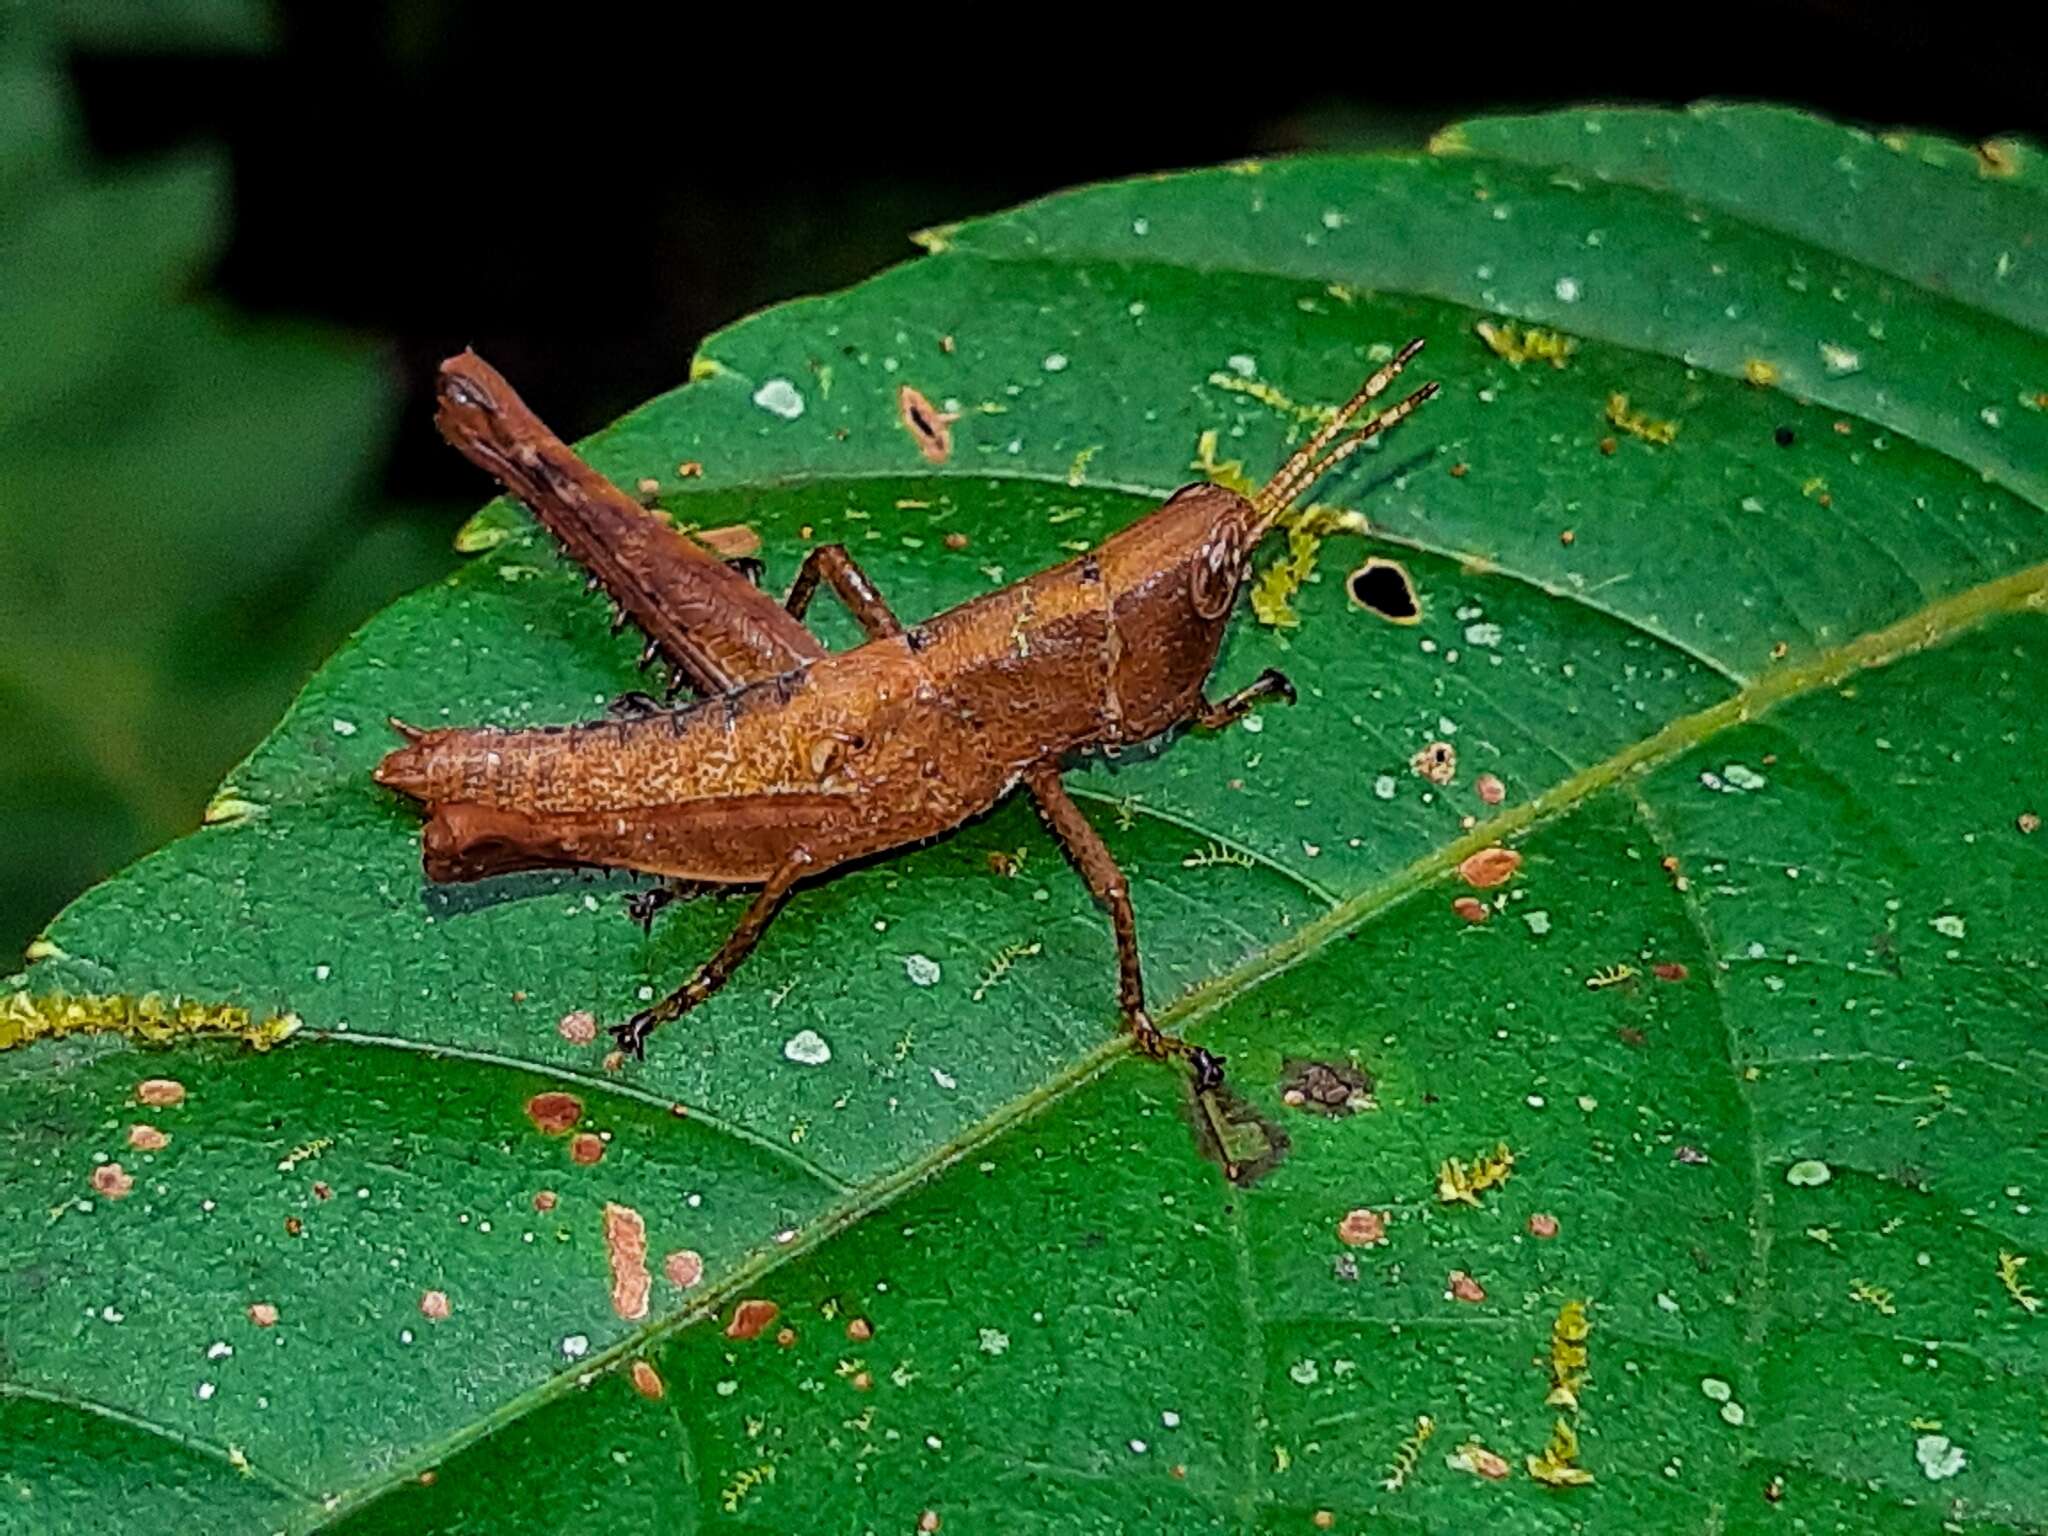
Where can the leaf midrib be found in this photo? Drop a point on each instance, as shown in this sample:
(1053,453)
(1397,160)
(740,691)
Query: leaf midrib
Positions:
(1938,622)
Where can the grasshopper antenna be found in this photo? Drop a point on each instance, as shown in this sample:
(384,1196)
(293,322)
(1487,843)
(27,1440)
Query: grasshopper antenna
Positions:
(1304,467)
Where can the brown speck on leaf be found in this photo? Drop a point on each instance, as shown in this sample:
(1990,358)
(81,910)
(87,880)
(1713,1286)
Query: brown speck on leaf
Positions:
(956,541)
(1325,1087)
(1490,867)
(1669,970)
(1472,909)
(1487,1464)
(1465,1288)
(1608,446)
(1437,762)
(1628,1034)
(1490,789)
(860,1330)
(554,1113)
(1567,536)
(322,1190)
(684,1268)
(544,1200)
(1323,1519)
(614,1060)
(429,1477)
(2028,823)
(946,344)
(585,1148)
(293,1226)
(625,1244)
(147,1138)
(785,1337)
(1691,1156)
(434,1306)
(649,486)
(578,1028)
(862,1381)
(750,1317)
(929,427)
(160,1092)
(263,1314)
(1362,1228)
(1178,1472)
(1460,470)
(647,1381)
(1543,1225)
(929,1520)
(690,469)
(112,1180)
(1774,1490)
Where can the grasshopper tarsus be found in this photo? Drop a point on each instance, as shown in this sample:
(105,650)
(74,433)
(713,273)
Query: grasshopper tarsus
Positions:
(634,705)
(1271,683)
(631,1036)
(1207,1067)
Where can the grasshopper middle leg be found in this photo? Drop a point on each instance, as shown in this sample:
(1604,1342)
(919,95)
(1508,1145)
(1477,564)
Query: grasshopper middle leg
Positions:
(839,570)
(1098,867)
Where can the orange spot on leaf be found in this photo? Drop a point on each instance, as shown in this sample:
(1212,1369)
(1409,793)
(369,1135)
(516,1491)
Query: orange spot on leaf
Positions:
(750,1317)
(1490,867)
(625,1243)
(554,1113)
(112,1180)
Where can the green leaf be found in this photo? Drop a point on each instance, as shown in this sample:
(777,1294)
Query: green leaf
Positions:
(1758,1017)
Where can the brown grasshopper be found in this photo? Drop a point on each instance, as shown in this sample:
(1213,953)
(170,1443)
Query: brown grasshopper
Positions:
(798,760)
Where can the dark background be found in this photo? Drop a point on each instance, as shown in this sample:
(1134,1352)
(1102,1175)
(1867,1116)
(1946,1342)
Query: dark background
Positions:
(583,199)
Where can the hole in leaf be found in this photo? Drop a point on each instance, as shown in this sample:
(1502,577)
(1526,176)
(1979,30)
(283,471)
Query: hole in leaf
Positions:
(1383,587)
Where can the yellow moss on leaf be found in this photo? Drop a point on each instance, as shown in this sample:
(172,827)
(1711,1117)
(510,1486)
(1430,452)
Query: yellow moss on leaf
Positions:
(1458,1185)
(1228,473)
(1568,1355)
(150,1019)
(1558,1462)
(1639,423)
(1274,589)
(1520,346)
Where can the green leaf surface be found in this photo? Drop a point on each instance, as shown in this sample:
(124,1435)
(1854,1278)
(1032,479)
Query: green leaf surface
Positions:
(1759,1016)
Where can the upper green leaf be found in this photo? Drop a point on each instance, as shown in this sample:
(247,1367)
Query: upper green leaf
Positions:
(1758,1018)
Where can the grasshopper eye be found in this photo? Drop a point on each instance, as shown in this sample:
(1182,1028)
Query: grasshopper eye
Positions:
(1212,582)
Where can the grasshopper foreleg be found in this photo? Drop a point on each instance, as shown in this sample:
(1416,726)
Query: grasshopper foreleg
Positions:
(715,972)
(1224,712)
(832,564)
(1098,867)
